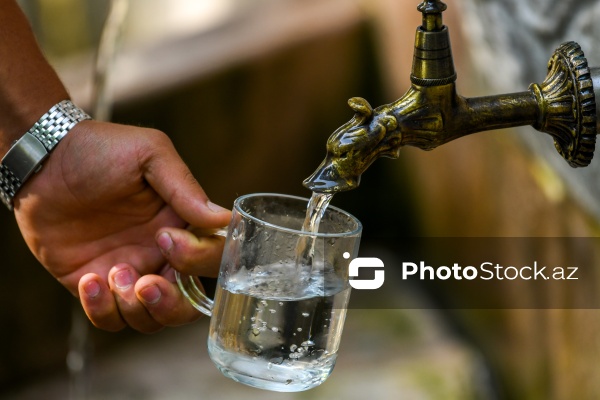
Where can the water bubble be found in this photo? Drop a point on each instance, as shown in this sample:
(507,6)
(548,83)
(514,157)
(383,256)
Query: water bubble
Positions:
(272,311)
(299,329)
(276,360)
(307,343)
(305,314)
(275,329)
(293,348)
(281,303)
(255,331)
(264,303)
(269,365)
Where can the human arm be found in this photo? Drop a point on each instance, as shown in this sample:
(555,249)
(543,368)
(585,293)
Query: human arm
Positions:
(93,214)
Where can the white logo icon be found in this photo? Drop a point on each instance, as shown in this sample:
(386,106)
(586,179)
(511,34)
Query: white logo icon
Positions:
(365,262)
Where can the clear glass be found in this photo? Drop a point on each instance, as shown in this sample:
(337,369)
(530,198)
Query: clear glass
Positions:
(277,324)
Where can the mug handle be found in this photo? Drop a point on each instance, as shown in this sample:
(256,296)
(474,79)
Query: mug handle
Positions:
(190,286)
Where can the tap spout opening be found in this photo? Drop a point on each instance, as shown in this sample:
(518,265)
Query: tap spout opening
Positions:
(329,178)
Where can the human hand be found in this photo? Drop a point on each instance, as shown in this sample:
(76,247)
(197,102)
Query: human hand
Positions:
(97,215)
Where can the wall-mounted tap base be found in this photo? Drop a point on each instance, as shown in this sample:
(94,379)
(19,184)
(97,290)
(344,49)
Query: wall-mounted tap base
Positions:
(568,106)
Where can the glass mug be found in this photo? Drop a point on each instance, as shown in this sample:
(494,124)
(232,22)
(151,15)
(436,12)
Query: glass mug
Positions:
(274,324)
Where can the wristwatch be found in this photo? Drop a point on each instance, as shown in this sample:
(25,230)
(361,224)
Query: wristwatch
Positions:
(26,155)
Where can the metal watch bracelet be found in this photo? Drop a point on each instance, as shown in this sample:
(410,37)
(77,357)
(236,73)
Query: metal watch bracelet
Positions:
(26,155)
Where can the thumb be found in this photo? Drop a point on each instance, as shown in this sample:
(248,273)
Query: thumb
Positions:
(168,175)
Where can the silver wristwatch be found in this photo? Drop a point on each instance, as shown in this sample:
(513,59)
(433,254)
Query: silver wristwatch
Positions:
(26,155)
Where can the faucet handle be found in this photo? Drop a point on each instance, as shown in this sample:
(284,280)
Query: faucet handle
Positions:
(432,15)
(432,7)
(567,105)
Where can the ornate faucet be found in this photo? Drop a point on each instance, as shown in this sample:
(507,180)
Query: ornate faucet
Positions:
(431,112)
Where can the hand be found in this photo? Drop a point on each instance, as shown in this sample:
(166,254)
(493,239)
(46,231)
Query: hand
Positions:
(107,212)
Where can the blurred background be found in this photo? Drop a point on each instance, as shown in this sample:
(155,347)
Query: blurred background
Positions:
(249,91)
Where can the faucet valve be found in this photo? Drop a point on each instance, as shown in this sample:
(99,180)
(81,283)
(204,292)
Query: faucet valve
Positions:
(432,58)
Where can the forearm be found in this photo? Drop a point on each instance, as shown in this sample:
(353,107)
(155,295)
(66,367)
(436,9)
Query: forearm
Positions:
(28,84)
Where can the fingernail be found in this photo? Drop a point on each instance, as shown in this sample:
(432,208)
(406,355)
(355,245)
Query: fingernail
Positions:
(151,294)
(91,289)
(165,243)
(215,207)
(123,279)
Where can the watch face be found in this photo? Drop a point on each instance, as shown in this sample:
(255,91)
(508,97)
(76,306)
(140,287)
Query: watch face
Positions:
(25,157)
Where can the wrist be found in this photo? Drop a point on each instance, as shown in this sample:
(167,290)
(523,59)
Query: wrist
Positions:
(26,155)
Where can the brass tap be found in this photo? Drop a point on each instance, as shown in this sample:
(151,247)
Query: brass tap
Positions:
(431,112)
